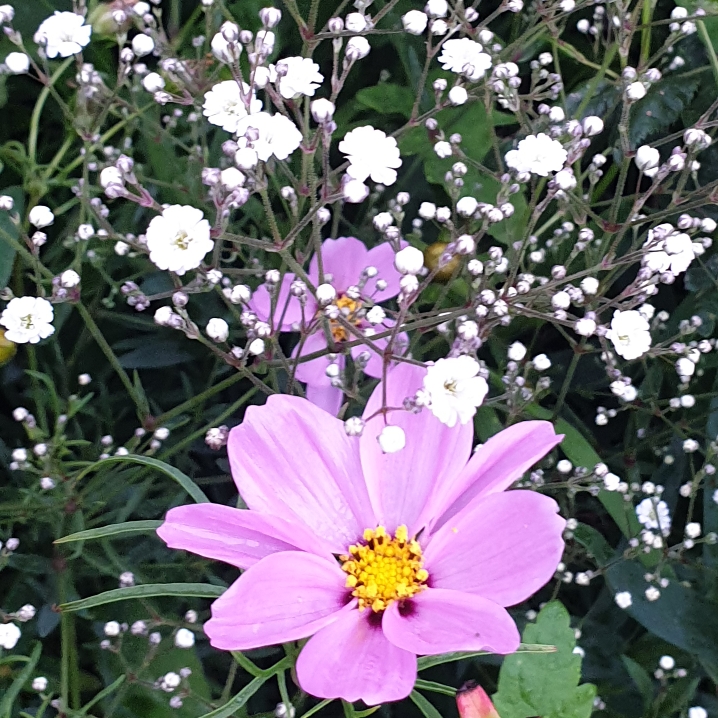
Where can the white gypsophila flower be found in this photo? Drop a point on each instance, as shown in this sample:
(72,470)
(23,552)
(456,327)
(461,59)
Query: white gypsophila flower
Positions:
(630,334)
(465,57)
(623,599)
(667,250)
(302,77)
(697,712)
(231,178)
(537,154)
(392,439)
(9,635)
(41,216)
(63,34)
(184,638)
(69,279)
(354,191)
(452,389)
(371,154)
(27,319)
(17,63)
(409,260)
(654,514)
(224,106)
(414,22)
(178,239)
(278,135)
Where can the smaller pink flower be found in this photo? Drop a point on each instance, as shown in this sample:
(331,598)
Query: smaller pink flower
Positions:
(344,260)
(376,558)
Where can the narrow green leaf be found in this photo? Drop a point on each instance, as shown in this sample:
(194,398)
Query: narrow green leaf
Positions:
(10,231)
(128,527)
(434,687)
(424,705)
(182,479)
(16,686)
(108,690)
(431,661)
(234,704)
(149,590)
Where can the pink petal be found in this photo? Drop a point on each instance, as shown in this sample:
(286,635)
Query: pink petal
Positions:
(287,312)
(240,538)
(291,459)
(352,659)
(328,398)
(399,484)
(504,547)
(284,597)
(382,257)
(439,620)
(314,371)
(344,258)
(500,462)
(375,366)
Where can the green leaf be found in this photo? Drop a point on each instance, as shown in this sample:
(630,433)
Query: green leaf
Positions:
(7,251)
(661,107)
(148,590)
(13,691)
(387,99)
(182,479)
(682,616)
(580,452)
(545,685)
(640,677)
(431,661)
(128,527)
(427,710)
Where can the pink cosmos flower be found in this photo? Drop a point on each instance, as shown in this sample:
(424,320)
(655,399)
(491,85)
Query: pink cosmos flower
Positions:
(378,557)
(344,260)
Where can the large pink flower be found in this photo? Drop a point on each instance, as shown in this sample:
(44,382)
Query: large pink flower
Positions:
(431,546)
(344,260)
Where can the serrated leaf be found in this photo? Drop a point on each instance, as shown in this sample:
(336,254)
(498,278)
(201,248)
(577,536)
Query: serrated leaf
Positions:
(660,108)
(545,685)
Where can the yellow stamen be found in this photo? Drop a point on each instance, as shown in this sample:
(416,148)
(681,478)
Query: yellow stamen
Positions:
(349,309)
(385,568)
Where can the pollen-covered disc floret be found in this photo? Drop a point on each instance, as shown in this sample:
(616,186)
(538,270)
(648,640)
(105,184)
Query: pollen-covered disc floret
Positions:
(384,569)
(349,309)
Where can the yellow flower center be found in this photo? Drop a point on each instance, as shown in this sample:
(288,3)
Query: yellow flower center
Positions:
(28,321)
(349,309)
(181,240)
(384,568)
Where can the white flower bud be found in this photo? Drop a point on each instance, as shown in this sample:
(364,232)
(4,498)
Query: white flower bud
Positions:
(217,329)
(392,439)
(415,22)
(142,45)
(326,294)
(647,158)
(635,91)
(409,260)
(322,110)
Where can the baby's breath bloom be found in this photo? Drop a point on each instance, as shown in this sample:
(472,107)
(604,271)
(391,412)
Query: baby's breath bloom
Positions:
(414,22)
(452,389)
(371,154)
(41,216)
(9,635)
(278,135)
(302,77)
(179,238)
(27,319)
(63,34)
(17,63)
(465,57)
(224,106)
(537,154)
(630,334)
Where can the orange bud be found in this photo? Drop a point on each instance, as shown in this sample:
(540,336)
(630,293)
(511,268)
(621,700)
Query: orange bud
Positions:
(472,702)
